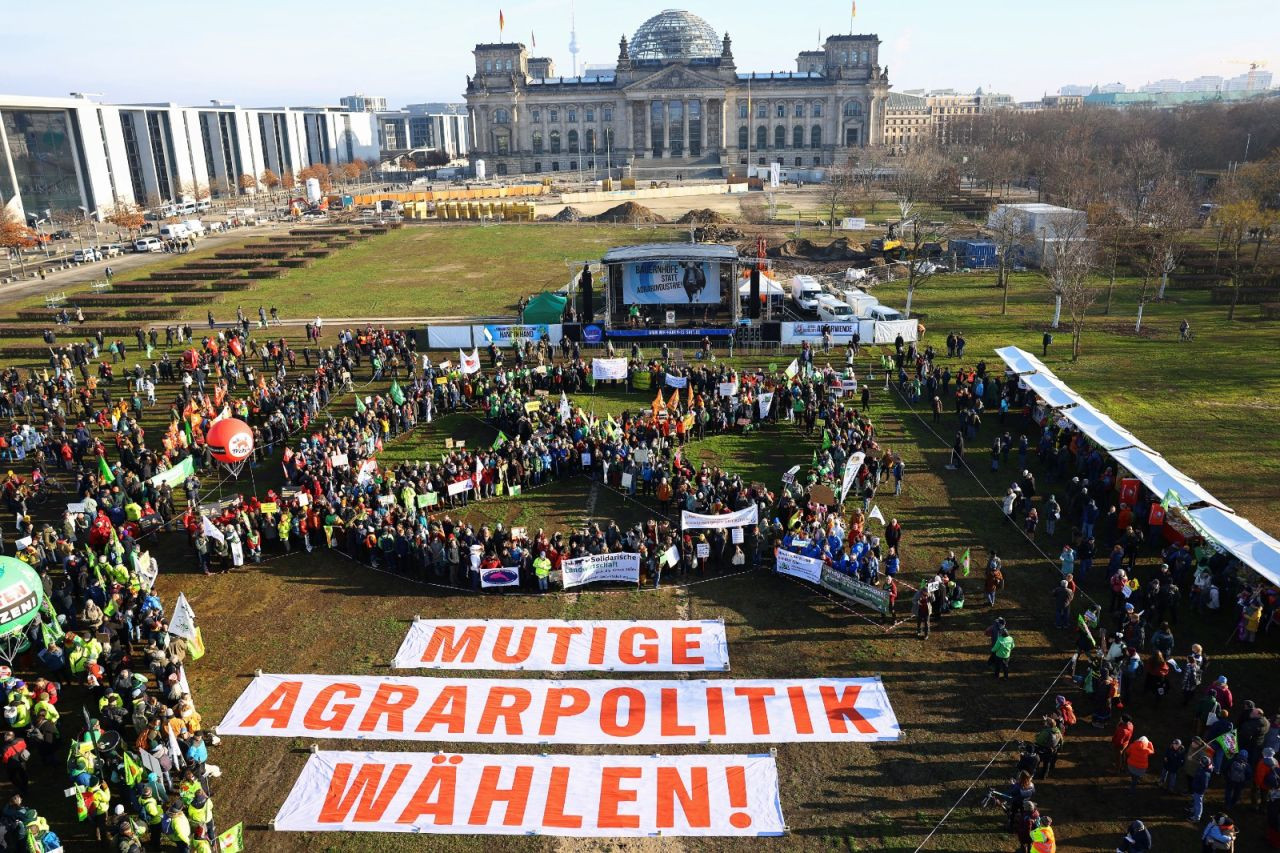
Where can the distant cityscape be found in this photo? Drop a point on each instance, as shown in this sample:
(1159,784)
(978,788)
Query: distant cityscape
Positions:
(1254,80)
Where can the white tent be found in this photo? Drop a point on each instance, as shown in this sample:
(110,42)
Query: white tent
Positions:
(1050,389)
(767,287)
(1154,472)
(1021,361)
(1100,429)
(1253,547)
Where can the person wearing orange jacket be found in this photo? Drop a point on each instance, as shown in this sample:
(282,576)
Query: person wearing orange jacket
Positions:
(1137,755)
(1042,838)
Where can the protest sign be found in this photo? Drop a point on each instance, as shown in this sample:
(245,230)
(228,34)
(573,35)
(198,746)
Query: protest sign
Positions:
(855,590)
(555,644)
(499,576)
(702,550)
(583,711)
(608,368)
(566,795)
(799,566)
(698,521)
(463,485)
(427,499)
(600,567)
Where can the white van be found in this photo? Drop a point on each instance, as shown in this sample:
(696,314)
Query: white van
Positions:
(148,244)
(859,301)
(194,227)
(832,310)
(175,231)
(805,291)
(882,312)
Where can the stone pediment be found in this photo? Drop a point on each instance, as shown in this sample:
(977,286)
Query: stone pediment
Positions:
(675,78)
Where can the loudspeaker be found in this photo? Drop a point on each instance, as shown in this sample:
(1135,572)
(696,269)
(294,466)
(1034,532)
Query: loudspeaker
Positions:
(585,315)
(753,301)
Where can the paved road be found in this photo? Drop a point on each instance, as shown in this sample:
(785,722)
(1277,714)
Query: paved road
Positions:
(125,266)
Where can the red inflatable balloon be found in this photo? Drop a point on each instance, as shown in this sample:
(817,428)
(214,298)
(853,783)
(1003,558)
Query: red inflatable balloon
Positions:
(230,440)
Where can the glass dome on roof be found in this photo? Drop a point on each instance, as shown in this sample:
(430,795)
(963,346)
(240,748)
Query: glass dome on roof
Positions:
(675,34)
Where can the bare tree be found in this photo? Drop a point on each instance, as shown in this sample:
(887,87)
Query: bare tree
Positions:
(1068,266)
(838,190)
(1238,219)
(1167,215)
(194,190)
(1144,169)
(1009,232)
(919,240)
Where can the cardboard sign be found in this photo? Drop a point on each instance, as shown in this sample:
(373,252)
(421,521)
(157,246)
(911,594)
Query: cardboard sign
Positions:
(702,550)
(736,535)
(822,495)
(269,507)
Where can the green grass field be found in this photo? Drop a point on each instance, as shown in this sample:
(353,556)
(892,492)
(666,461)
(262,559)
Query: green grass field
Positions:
(1210,406)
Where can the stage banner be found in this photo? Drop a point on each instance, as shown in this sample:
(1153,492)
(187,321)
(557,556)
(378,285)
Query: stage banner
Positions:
(676,381)
(855,590)
(697,521)
(588,796)
(887,331)
(799,566)
(505,336)
(671,283)
(600,567)
(557,644)
(608,368)
(584,711)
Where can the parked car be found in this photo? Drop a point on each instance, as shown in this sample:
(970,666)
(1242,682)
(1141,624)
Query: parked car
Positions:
(64,234)
(110,250)
(148,244)
(84,256)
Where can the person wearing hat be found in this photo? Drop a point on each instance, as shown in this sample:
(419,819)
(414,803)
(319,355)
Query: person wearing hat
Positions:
(176,827)
(1266,778)
(200,840)
(1001,652)
(128,837)
(200,811)
(1137,839)
(1042,838)
(1199,777)
(1219,834)
(1175,757)
(15,759)
(1222,693)
(149,809)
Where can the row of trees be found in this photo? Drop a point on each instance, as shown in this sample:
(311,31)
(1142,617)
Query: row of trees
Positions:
(1140,176)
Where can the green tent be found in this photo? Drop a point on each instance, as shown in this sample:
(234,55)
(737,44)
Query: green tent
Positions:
(545,308)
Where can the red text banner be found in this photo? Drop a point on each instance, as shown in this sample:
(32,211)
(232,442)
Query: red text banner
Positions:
(587,711)
(577,795)
(554,644)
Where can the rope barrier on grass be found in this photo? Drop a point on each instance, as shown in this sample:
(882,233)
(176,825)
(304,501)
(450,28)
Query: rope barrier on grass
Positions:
(997,754)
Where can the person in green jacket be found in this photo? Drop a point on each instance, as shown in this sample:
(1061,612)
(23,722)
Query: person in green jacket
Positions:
(542,568)
(1001,650)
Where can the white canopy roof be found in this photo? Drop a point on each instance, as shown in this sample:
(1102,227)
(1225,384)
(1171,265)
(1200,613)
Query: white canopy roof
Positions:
(1050,389)
(1100,429)
(1155,472)
(1255,548)
(767,286)
(1021,361)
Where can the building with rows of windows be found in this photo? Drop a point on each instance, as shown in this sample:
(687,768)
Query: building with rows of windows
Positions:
(674,104)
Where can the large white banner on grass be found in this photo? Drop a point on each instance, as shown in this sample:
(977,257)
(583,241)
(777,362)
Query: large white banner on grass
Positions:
(492,710)
(600,567)
(608,368)
(558,644)
(800,566)
(698,521)
(575,795)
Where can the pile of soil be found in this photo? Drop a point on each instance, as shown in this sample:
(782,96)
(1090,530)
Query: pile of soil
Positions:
(569,214)
(717,234)
(838,250)
(703,216)
(629,212)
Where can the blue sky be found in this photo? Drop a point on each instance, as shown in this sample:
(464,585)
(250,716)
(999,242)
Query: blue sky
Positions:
(293,52)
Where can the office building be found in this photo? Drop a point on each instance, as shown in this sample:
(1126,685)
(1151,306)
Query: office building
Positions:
(364,103)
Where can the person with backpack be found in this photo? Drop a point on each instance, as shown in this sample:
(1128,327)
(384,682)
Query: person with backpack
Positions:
(1137,839)
(15,758)
(1238,773)
(176,827)
(1219,834)
(1199,783)
(994,581)
(1266,778)
(923,610)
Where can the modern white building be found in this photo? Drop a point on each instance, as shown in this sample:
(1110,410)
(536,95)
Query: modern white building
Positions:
(413,129)
(364,103)
(69,154)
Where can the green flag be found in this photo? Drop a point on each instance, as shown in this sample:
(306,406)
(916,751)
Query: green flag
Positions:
(105,470)
(499,441)
(1171,498)
(360,407)
(232,841)
(826,439)
(397,396)
(133,771)
(964,563)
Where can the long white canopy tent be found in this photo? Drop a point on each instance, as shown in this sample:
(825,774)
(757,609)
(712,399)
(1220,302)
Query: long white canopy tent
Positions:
(1211,517)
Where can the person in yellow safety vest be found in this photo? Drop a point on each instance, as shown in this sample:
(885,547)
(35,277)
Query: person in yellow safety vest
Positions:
(43,704)
(18,712)
(80,763)
(78,660)
(189,786)
(176,827)
(200,840)
(542,568)
(200,810)
(35,827)
(148,806)
(1042,840)
(99,808)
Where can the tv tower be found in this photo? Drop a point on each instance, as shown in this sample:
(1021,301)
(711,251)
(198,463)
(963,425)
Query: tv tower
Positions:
(573,40)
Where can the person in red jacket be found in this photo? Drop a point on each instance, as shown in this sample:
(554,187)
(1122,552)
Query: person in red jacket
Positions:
(1120,738)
